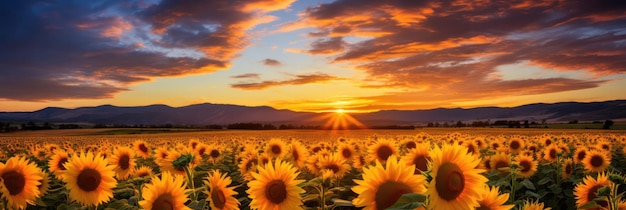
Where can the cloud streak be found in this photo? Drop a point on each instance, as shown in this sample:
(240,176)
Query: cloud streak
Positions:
(298,80)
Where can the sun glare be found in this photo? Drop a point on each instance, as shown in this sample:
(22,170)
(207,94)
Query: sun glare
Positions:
(340,111)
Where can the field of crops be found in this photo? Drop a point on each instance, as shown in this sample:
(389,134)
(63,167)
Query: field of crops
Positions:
(408,169)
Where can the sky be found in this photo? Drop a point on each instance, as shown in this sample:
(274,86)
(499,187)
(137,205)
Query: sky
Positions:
(355,55)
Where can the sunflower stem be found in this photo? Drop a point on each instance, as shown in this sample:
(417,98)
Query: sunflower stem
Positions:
(190,183)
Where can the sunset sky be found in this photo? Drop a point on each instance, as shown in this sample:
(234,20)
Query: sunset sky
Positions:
(356,55)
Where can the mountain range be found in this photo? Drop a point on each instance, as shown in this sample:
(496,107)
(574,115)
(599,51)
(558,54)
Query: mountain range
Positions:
(206,114)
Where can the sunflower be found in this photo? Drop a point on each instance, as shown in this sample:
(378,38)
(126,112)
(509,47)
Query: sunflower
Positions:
(275,187)
(382,186)
(418,156)
(89,179)
(347,151)
(382,150)
(456,182)
(124,162)
(142,171)
(596,161)
(500,163)
(220,196)
(586,190)
(168,192)
(201,150)
(45,183)
(168,165)
(516,145)
(492,200)
(472,148)
(56,164)
(215,153)
(333,162)
(535,205)
(161,154)
(581,153)
(248,164)
(276,148)
(299,154)
(359,162)
(20,181)
(550,153)
(193,143)
(527,166)
(409,144)
(604,145)
(568,168)
(532,147)
(142,148)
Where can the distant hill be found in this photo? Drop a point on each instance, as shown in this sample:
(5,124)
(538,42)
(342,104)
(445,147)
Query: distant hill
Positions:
(205,114)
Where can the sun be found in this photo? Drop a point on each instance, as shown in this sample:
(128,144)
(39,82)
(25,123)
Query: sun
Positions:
(340,111)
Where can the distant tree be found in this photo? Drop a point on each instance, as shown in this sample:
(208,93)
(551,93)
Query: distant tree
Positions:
(430,125)
(437,124)
(573,122)
(459,124)
(608,124)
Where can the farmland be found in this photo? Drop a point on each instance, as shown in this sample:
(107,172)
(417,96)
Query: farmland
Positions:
(434,168)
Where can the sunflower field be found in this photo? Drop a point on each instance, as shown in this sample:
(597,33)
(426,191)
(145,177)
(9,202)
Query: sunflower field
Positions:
(409,170)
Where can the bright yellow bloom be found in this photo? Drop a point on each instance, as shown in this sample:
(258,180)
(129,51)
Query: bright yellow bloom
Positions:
(167,192)
(20,181)
(456,182)
(89,179)
(275,187)
(382,187)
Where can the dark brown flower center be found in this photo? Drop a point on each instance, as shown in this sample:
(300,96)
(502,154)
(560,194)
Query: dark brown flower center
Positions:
(384,152)
(218,198)
(568,168)
(14,182)
(592,195)
(501,164)
(483,207)
(596,161)
(525,164)
(316,149)
(470,149)
(515,145)
(163,202)
(333,167)
(143,173)
(124,161)
(61,162)
(532,148)
(548,142)
(276,191)
(88,179)
(143,148)
(421,162)
(389,192)
(201,151)
(410,145)
(450,181)
(193,145)
(553,153)
(214,153)
(295,154)
(250,163)
(346,153)
(276,149)
(581,155)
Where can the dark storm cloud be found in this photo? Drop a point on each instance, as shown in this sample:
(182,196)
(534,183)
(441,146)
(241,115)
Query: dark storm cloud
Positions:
(443,47)
(52,50)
